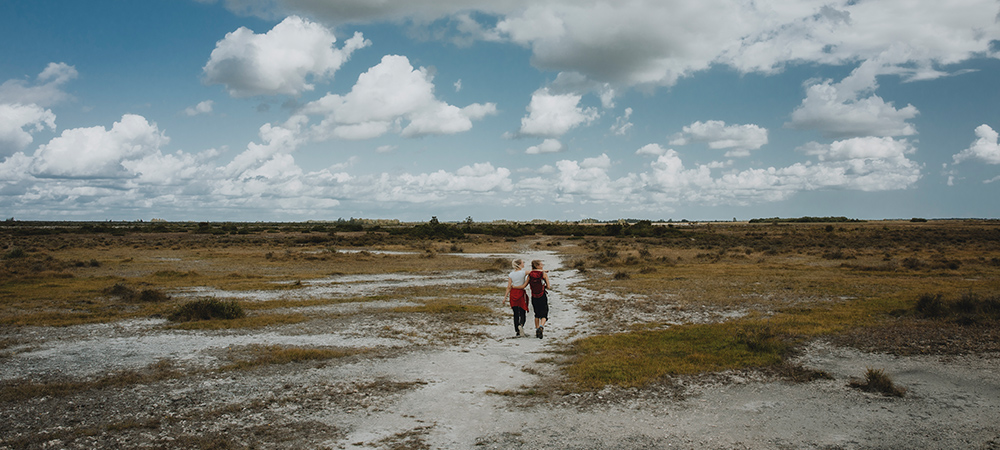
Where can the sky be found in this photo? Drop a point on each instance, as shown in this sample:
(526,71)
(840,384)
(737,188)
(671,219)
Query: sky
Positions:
(294,110)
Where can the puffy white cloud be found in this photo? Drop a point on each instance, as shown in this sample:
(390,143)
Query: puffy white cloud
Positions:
(177,169)
(469,184)
(15,168)
(651,150)
(651,42)
(280,61)
(17,121)
(741,139)
(23,106)
(985,148)
(839,110)
(547,146)
(386,95)
(860,148)
(864,164)
(204,107)
(622,125)
(46,92)
(275,140)
(479,177)
(552,115)
(98,152)
(582,182)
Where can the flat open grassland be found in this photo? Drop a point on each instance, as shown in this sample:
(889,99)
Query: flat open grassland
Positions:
(719,335)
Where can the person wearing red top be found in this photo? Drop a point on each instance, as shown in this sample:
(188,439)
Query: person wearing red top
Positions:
(516,282)
(538,279)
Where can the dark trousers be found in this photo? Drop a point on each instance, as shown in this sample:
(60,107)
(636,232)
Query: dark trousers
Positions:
(520,317)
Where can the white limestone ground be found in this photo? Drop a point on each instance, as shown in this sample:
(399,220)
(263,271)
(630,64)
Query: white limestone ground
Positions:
(452,396)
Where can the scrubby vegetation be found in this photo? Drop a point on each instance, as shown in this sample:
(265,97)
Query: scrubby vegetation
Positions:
(693,297)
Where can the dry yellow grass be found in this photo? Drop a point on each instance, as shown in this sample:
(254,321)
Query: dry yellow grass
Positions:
(63,280)
(802,281)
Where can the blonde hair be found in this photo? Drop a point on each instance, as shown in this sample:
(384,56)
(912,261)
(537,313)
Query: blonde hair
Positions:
(517,263)
(536,264)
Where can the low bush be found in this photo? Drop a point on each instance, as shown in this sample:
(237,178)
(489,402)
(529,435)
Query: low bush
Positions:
(152,296)
(970,308)
(127,294)
(208,309)
(759,337)
(931,306)
(121,291)
(15,253)
(877,381)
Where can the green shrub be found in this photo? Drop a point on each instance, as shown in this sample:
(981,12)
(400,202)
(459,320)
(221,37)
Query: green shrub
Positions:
(208,309)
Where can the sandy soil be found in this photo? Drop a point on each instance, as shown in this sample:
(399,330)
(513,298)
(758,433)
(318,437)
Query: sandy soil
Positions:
(440,385)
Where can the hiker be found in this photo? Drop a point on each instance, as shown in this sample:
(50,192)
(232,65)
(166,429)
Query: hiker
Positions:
(538,279)
(516,282)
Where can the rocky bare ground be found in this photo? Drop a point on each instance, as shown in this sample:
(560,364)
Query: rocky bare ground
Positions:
(436,384)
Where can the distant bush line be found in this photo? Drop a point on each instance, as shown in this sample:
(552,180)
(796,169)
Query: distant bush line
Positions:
(430,230)
(807,220)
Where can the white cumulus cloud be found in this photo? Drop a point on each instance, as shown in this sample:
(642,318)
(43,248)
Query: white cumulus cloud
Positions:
(651,150)
(385,97)
(738,139)
(863,164)
(850,108)
(547,146)
(552,115)
(46,91)
(281,61)
(18,121)
(985,148)
(97,152)
(622,125)
(204,107)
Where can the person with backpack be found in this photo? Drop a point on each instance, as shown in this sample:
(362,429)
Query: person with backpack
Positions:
(516,284)
(538,279)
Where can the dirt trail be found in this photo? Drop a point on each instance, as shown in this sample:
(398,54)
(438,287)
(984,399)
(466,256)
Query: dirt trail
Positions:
(455,401)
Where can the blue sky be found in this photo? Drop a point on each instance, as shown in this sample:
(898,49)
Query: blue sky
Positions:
(290,110)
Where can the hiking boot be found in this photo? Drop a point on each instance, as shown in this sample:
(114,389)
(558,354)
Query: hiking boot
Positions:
(538,332)
(520,330)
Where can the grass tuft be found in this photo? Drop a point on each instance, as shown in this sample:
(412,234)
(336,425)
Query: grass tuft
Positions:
(639,358)
(15,253)
(443,306)
(262,355)
(877,381)
(208,309)
(20,390)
